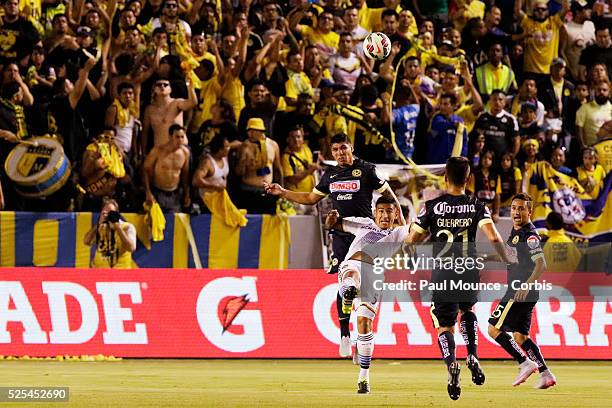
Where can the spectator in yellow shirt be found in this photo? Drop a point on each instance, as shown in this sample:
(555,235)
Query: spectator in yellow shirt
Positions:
(559,250)
(591,116)
(298,166)
(604,146)
(322,36)
(298,82)
(590,174)
(541,36)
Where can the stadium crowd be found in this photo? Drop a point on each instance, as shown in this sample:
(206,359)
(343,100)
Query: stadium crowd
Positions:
(163,101)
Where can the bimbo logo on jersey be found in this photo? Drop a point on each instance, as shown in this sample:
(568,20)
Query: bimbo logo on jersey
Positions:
(349,186)
(443,208)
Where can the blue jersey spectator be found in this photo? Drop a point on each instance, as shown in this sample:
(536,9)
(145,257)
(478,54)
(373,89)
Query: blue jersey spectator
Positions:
(443,131)
(404,128)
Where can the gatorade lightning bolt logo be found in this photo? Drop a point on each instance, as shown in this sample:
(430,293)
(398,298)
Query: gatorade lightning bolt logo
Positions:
(232,308)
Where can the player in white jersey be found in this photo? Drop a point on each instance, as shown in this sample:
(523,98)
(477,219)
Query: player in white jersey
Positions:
(358,261)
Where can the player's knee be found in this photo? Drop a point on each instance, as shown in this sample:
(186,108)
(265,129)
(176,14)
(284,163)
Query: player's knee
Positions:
(347,273)
(493,331)
(520,338)
(364,325)
(366,311)
(450,329)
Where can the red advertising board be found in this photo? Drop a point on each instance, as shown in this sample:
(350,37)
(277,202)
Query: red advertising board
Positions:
(245,313)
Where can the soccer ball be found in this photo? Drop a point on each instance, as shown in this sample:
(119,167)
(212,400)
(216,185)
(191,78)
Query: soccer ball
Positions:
(377,46)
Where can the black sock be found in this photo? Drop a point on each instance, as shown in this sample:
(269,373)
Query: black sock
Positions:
(446,341)
(469,330)
(533,351)
(343,318)
(508,344)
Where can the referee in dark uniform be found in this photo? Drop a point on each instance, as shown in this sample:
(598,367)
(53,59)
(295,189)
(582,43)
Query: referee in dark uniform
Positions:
(513,314)
(350,186)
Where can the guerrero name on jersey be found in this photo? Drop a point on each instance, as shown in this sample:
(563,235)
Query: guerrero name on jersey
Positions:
(452,218)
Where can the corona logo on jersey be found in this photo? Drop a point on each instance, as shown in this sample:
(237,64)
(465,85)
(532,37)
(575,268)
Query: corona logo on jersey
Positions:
(443,208)
(229,313)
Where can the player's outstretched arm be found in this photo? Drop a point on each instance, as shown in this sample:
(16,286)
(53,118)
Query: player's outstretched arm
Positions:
(497,241)
(310,198)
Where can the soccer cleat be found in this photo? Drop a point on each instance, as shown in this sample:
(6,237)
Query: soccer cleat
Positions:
(363,387)
(547,380)
(473,364)
(345,347)
(526,368)
(454,387)
(347,299)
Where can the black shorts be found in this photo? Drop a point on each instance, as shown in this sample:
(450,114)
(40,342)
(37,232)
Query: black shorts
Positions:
(511,316)
(341,242)
(444,314)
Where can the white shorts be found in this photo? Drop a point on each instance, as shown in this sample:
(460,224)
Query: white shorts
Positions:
(368,294)
(350,265)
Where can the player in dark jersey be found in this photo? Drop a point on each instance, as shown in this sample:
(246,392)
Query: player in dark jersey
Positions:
(513,314)
(350,186)
(455,217)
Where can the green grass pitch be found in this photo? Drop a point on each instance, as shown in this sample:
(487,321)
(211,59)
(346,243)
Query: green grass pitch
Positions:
(305,383)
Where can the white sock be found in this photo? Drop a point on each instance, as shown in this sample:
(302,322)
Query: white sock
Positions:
(365,348)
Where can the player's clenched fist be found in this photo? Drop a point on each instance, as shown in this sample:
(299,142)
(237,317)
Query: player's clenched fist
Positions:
(331,219)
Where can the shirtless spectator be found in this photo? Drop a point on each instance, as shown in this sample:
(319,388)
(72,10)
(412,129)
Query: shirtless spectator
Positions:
(259,163)
(163,112)
(60,39)
(166,172)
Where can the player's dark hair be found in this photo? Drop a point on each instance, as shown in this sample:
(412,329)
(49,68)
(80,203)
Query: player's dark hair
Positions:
(175,127)
(525,197)
(339,138)
(458,170)
(554,221)
(385,200)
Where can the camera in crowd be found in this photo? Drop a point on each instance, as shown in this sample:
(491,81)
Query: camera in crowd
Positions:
(112,216)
